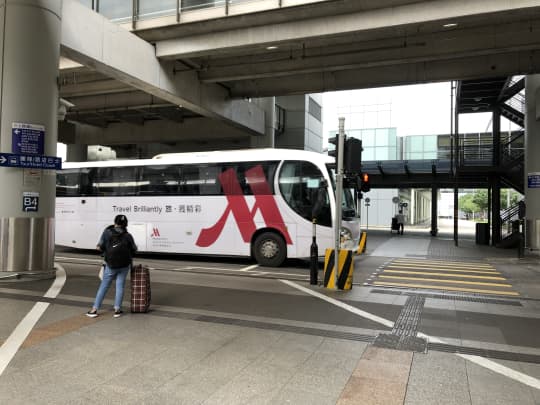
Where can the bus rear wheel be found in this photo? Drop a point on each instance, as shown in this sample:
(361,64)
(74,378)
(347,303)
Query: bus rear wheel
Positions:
(269,249)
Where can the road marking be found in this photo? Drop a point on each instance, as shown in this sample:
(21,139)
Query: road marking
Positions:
(248,268)
(444,287)
(481,361)
(436,268)
(427,273)
(23,329)
(491,365)
(340,304)
(435,280)
(444,263)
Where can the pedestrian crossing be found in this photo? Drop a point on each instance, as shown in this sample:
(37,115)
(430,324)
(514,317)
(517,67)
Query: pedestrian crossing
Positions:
(466,277)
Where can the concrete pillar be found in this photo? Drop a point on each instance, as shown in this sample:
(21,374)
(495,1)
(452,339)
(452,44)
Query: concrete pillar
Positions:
(412,208)
(268,104)
(496,211)
(532,163)
(77,153)
(496,183)
(434,210)
(30,38)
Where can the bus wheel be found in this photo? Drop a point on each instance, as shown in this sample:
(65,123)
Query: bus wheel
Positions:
(269,249)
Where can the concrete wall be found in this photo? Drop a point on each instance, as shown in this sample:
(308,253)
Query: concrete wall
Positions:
(302,129)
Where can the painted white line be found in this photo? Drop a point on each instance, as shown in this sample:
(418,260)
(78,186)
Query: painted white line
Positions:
(340,304)
(81,259)
(248,268)
(491,365)
(481,361)
(17,337)
(58,283)
(23,329)
(499,368)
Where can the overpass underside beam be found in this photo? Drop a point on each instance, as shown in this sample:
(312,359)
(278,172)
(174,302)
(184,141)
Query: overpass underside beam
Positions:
(388,43)
(90,39)
(504,64)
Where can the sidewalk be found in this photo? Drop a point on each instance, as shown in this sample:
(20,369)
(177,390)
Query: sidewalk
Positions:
(212,339)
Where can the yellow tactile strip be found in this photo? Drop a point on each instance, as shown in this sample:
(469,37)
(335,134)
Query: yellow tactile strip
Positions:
(380,378)
(56,329)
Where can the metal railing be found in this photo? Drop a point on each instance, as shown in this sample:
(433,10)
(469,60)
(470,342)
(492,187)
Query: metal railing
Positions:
(125,11)
(513,150)
(509,221)
(517,103)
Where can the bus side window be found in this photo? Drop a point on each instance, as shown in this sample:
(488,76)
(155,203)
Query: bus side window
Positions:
(67,183)
(247,184)
(189,180)
(159,180)
(209,179)
(88,182)
(113,181)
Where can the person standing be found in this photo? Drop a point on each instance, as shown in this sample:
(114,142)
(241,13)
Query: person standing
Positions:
(400,221)
(118,248)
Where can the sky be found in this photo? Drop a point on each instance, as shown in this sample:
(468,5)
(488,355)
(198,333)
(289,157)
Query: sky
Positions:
(423,109)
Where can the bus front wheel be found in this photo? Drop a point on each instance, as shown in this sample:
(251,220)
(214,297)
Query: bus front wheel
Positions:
(269,249)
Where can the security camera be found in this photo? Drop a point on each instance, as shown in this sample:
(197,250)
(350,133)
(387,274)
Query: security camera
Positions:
(63,106)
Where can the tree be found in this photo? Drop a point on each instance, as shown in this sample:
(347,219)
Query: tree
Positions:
(514,198)
(467,205)
(480,198)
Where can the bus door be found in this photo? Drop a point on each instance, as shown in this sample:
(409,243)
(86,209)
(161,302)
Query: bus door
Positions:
(75,208)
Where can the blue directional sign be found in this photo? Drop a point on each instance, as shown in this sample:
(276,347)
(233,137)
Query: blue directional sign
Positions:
(27,138)
(30,161)
(533,180)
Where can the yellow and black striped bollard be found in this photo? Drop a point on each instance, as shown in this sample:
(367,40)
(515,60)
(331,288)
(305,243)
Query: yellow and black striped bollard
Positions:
(345,269)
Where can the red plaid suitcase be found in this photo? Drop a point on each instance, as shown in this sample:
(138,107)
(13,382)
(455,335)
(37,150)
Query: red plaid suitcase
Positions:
(140,288)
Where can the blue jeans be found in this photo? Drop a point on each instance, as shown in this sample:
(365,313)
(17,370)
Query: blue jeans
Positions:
(108,276)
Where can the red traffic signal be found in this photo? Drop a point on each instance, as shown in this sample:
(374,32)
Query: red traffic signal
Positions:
(364,179)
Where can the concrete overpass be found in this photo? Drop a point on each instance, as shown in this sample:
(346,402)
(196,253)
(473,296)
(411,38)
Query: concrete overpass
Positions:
(203,70)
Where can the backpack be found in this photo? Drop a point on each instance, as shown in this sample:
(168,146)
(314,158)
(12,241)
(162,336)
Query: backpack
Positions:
(118,250)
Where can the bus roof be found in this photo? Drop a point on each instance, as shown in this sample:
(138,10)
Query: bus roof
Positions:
(265,154)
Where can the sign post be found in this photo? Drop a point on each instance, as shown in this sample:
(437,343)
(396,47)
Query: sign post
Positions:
(339,195)
(367,200)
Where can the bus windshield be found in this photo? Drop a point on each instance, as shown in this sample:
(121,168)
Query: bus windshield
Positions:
(348,201)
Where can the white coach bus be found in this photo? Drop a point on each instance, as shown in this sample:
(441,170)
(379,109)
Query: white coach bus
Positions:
(255,202)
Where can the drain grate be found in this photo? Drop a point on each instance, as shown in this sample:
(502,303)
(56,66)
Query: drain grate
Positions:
(492,354)
(454,296)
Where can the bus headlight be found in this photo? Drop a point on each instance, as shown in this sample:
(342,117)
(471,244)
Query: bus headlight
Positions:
(346,238)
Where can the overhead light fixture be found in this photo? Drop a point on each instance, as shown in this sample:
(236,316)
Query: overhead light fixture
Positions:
(271,47)
(450,25)
(477,99)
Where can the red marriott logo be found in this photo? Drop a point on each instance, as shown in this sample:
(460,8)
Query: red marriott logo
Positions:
(237,206)
(155,233)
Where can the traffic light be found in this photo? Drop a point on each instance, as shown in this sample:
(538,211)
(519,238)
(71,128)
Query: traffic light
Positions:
(334,141)
(365,186)
(352,159)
